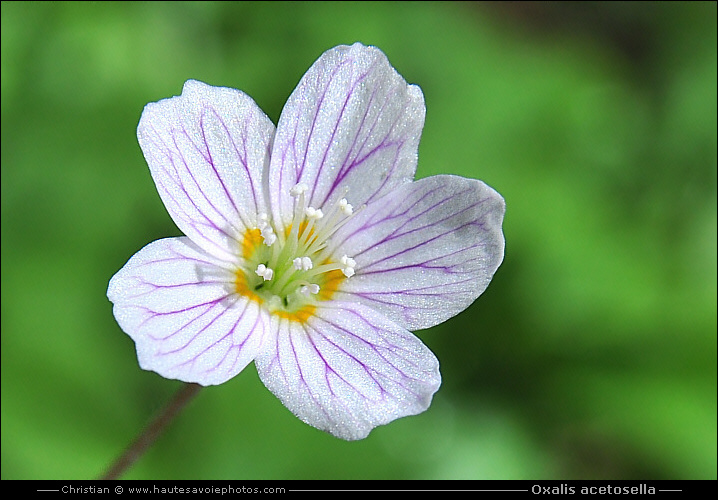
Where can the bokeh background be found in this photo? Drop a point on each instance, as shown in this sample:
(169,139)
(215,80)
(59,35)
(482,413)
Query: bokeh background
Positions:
(591,355)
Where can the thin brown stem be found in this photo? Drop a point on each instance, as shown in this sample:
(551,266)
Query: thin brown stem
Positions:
(152,431)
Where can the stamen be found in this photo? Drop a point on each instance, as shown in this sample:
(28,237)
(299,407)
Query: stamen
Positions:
(337,215)
(268,235)
(345,207)
(265,229)
(299,207)
(303,252)
(314,213)
(298,189)
(303,263)
(349,265)
(265,272)
(307,289)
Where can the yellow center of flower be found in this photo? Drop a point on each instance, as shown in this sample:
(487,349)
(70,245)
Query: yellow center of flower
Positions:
(291,271)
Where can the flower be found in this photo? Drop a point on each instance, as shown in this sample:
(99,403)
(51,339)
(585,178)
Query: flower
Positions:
(309,250)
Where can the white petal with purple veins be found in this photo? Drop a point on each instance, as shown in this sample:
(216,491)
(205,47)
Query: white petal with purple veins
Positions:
(352,123)
(426,251)
(348,369)
(178,305)
(207,151)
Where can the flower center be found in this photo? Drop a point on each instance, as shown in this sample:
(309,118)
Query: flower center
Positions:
(290,270)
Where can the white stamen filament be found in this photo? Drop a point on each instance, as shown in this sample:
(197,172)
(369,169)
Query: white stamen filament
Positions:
(339,214)
(299,211)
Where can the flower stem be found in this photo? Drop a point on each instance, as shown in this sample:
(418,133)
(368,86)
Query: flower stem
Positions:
(152,431)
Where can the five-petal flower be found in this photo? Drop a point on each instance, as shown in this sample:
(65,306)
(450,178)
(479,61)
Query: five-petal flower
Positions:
(309,250)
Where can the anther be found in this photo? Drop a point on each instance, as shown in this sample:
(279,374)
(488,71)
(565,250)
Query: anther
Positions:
(268,234)
(265,272)
(349,265)
(303,263)
(345,207)
(307,289)
(314,213)
(298,189)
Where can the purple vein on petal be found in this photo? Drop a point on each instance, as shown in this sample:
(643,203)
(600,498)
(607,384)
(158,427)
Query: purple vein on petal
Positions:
(298,169)
(210,160)
(378,296)
(199,186)
(154,314)
(394,348)
(253,329)
(379,218)
(315,118)
(328,367)
(384,144)
(155,287)
(242,157)
(351,151)
(397,232)
(419,245)
(335,129)
(301,374)
(229,333)
(213,305)
(178,257)
(198,235)
(179,178)
(302,379)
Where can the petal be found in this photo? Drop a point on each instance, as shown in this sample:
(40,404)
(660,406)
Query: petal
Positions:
(177,303)
(207,150)
(348,369)
(426,251)
(352,123)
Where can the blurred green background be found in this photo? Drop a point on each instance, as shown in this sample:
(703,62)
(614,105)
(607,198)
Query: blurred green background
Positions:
(591,355)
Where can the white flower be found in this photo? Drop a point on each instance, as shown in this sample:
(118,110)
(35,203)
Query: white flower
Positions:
(279,268)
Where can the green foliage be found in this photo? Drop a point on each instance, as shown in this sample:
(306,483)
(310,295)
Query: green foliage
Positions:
(591,355)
